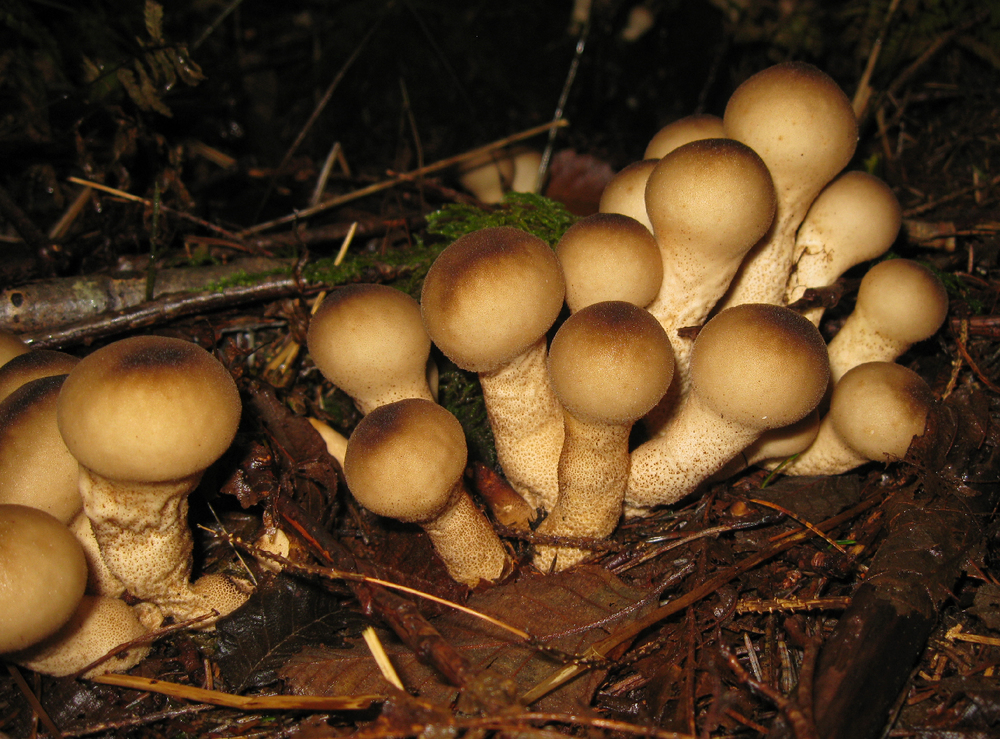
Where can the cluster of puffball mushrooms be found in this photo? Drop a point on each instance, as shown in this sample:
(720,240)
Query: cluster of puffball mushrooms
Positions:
(724,224)
(97,458)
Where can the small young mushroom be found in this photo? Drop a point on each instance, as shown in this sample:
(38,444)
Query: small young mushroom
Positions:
(405,460)
(608,256)
(491,175)
(43,574)
(855,218)
(145,417)
(753,367)
(709,202)
(97,626)
(609,363)
(32,366)
(875,411)
(369,341)
(900,302)
(487,302)
(625,193)
(802,125)
(684,131)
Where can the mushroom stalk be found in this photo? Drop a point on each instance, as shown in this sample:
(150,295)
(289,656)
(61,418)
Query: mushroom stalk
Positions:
(451,532)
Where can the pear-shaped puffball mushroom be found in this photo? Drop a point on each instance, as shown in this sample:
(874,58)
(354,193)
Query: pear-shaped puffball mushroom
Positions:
(33,366)
(900,302)
(709,202)
(802,125)
(487,302)
(854,219)
(875,411)
(369,341)
(99,625)
(405,460)
(491,175)
(625,193)
(43,574)
(11,346)
(608,256)
(145,417)
(609,362)
(36,468)
(684,131)
(753,367)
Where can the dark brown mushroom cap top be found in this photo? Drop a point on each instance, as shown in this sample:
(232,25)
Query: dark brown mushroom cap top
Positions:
(712,196)
(366,336)
(405,460)
(43,573)
(610,363)
(32,366)
(799,121)
(761,366)
(36,468)
(10,346)
(609,256)
(683,131)
(878,407)
(148,409)
(490,296)
(903,300)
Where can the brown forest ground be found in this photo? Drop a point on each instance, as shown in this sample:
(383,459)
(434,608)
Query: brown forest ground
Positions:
(725,617)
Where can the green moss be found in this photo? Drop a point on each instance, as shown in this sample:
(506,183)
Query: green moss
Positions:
(546,219)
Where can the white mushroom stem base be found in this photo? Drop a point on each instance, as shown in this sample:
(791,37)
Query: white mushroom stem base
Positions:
(465,540)
(858,342)
(827,455)
(527,423)
(696,444)
(593,470)
(145,541)
(763,276)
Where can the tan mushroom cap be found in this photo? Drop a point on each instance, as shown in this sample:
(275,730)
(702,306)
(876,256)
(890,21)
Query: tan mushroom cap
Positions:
(148,409)
(800,123)
(43,574)
(11,346)
(36,468)
(369,340)
(626,192)
(610,363)
(759,365)
(32,366)
(900,302)
(855,218)
(878,407)
(684,131)
(490,296)
(609,256)
(405,459)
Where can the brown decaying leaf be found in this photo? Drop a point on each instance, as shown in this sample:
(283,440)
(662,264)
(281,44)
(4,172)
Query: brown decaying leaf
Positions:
(574,608)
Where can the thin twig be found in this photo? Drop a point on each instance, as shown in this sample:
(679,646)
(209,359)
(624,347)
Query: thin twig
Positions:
(32,699)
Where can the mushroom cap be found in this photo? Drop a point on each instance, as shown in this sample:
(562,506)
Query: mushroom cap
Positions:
(36,468)
(148,409)
(902,299)
(609,256)
(710,198)
(760,365)
(610,363)
(405,460)
(369,340)
(43,573)
(683,131)
(625,193)
(490,296)
(855,218)
(799,121)
(33,365)
(878,407)
(11,346)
